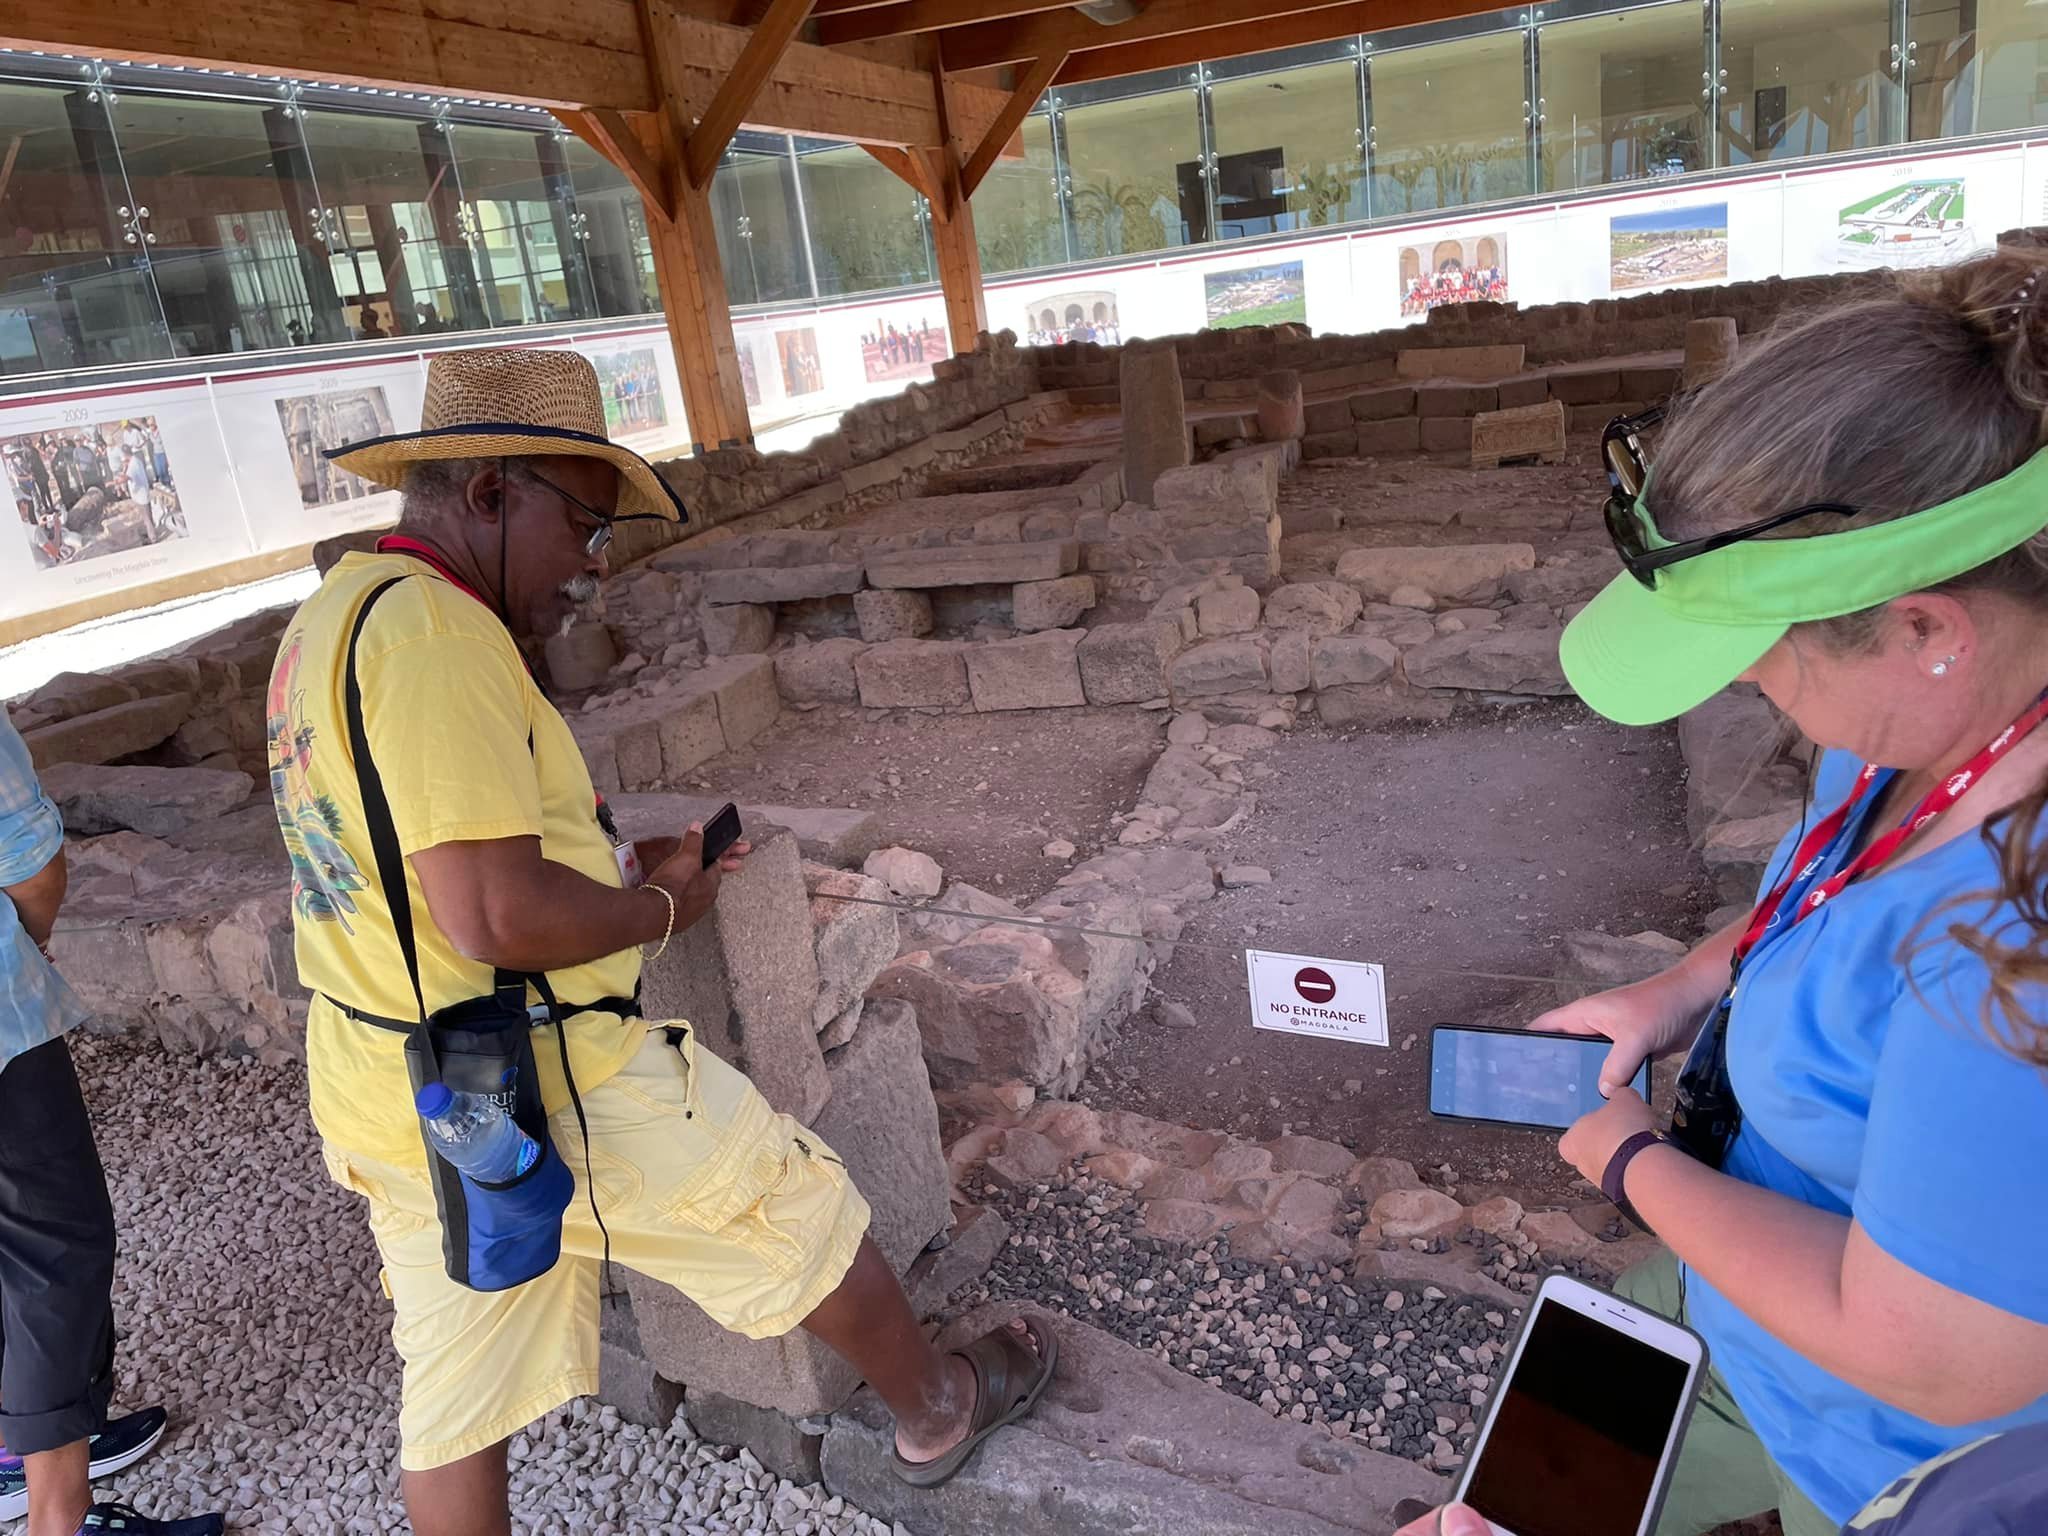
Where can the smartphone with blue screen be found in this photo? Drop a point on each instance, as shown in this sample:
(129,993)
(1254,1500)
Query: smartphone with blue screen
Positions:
(1517,1076)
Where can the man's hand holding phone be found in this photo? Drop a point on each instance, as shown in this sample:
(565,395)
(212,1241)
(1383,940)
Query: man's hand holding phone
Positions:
(693,884)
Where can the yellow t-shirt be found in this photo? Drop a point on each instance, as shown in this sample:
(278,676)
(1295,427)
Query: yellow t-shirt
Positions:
(449,708)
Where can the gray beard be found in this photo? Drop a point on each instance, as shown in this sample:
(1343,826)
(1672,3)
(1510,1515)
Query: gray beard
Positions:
(582,592)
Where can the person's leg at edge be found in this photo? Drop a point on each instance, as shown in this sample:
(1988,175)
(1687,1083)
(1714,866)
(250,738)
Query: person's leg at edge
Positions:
(464,1498)
(869,1323)
(59,1489)
(1723,1473)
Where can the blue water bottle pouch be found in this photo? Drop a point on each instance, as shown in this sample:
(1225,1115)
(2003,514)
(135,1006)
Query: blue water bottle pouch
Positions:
(493,1236)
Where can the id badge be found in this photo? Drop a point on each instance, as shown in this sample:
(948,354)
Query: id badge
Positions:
(628,859)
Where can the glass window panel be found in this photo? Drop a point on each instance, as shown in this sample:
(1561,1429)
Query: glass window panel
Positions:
(866,226)
(1621,96)
(1135,170)
(1287,154)
(1448,124)
(1017,206)
(1976,66)
(613,230)
(516,187)
(1805,77)
(73,293)
(391,185)
(237,255)
(760,237)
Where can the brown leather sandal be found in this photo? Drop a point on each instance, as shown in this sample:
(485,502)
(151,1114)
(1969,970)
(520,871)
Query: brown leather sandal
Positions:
(1008,1380)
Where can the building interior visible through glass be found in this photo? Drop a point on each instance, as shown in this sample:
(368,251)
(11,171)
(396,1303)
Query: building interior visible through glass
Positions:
(147,216)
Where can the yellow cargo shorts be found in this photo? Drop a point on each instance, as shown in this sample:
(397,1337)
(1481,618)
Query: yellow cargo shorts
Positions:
(701,1186)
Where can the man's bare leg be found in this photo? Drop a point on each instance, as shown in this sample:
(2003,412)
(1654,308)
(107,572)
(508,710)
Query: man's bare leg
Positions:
(464,1498)
(868,1322)
(59,1489)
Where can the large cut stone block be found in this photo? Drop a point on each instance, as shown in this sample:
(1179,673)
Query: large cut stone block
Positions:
(824,834)
(1520,660)
(820,673)
(1710,345)
(738,629)
(1279,405)
(1218,667)
(1401,434)
(883,1124)
(105,734)
(744,687)
(780,584)
(1353,660)
(746,977)
(655,739)
(913,674)
(1459,362)
(1318,607)
(1126,663)
(1031,672)
(964,565)
(580,659)
(1456,573)
(1526,432)
(1155,424)
(855,939)
(892,615)
(157,801)
(1036,605)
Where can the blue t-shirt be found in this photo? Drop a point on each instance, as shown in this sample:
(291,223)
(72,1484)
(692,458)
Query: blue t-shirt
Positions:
(1874,1088)
(1997,1487)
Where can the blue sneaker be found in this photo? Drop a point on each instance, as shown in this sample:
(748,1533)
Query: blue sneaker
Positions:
(130,1522)
(120,1445)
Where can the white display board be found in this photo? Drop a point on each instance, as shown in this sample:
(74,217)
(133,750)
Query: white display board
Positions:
(1926,212)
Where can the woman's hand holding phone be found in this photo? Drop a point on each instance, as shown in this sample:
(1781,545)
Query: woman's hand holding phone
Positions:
(1640,1019)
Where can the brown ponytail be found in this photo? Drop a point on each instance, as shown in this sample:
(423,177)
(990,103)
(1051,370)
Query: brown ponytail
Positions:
(1895,403)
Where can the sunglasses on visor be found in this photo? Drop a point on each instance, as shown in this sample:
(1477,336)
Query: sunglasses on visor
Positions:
(1627,464)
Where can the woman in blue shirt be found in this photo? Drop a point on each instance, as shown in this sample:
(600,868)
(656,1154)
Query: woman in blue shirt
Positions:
(1852,519)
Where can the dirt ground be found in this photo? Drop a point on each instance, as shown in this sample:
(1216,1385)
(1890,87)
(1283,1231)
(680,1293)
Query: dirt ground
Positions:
(982,794)
(1444,852)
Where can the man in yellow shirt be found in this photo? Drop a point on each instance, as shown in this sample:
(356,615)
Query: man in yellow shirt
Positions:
(510,493)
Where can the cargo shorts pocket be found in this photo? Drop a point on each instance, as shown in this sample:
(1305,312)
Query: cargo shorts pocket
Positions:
(389,1221)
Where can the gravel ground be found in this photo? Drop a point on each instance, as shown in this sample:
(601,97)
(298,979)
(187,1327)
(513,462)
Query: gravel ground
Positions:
(247,1293)
(1401,1369)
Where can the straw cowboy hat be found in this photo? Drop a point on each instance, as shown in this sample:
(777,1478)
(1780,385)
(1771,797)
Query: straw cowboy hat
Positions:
(510,402)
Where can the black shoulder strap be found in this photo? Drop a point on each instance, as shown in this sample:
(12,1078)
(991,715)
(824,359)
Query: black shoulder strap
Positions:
(377,811)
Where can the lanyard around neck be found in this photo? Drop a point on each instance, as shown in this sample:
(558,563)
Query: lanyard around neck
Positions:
(1767,916)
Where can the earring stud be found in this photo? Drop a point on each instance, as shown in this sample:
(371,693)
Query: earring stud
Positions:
(1940,668)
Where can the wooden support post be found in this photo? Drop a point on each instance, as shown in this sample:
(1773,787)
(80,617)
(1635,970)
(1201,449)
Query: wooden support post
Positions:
(953,228)
(699,315)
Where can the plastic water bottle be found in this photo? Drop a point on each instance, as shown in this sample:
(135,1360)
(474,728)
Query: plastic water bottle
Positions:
(474,1133)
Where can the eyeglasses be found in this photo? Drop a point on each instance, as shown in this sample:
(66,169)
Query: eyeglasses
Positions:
(601,537)
(1628,522)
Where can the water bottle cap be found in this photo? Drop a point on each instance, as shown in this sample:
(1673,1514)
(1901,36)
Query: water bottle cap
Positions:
(432,1101)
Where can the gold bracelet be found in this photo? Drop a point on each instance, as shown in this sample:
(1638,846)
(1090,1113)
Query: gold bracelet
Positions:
(671,931)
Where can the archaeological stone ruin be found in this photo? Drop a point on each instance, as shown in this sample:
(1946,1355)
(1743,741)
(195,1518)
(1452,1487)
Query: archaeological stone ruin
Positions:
(1235,537)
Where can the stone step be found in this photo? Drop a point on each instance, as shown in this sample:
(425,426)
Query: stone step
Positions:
(1124,1445)
(824,834)
(964,565)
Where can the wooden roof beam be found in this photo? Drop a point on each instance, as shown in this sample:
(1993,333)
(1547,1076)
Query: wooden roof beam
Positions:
(1319,25)
(608,132)
(1031,84)
(915,169)
(764,49)
(901,17)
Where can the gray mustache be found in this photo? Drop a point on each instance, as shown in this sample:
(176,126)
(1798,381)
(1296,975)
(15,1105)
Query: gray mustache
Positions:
(580,590)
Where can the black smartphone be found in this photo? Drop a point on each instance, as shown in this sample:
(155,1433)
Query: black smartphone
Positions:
(1517,1076)
(1582,1434)
(720,833)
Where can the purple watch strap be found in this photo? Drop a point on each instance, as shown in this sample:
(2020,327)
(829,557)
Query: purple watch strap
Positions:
(1613,1178)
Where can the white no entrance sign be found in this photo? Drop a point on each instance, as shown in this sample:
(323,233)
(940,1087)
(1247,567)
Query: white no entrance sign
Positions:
(1336,999)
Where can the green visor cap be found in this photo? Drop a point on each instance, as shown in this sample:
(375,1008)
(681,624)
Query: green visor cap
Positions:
(1640,655)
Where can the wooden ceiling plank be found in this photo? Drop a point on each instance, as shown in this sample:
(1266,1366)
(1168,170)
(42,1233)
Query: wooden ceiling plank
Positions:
(907,16)
(1030,86)
(1031,37)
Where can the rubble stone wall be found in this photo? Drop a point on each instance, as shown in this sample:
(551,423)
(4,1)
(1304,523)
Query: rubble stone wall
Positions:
(1224,364)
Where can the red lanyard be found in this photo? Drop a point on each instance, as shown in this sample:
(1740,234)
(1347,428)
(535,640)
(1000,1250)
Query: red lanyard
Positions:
(1811,851)
(399,544)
